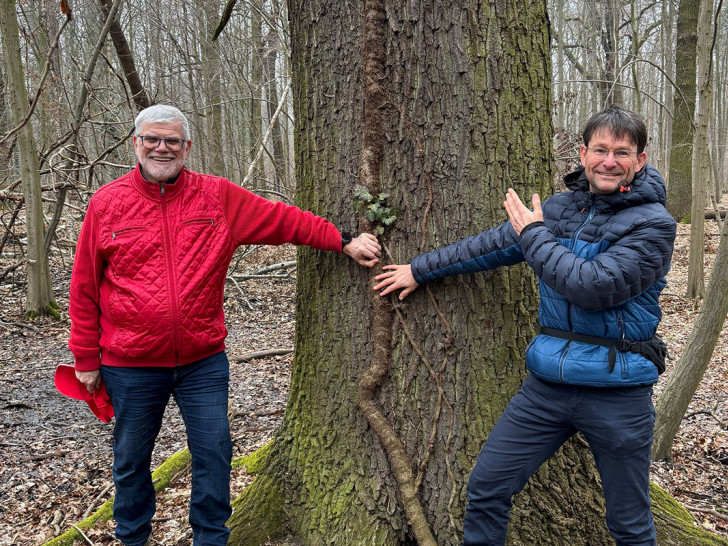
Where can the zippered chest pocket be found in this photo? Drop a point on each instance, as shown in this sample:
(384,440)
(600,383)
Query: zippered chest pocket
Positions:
(127,232)
(199,221)
(129,248)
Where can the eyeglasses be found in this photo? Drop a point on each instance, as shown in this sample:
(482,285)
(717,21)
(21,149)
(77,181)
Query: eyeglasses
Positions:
(602,153)
(151,142)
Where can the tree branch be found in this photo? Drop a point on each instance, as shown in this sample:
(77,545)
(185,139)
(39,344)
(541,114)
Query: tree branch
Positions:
(41,84)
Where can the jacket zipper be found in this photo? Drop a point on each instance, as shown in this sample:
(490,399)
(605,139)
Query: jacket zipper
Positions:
(114,234)
(167,243)
(210,221)
(574,238)
(561,362)
(622,334)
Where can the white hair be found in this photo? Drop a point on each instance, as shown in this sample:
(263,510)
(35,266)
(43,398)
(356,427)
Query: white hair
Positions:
(162,113)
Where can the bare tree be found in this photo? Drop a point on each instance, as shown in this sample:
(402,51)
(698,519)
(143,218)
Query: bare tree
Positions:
(685,378)
(39,295)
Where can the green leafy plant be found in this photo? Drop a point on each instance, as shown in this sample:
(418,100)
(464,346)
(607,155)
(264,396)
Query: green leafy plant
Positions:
(374,209)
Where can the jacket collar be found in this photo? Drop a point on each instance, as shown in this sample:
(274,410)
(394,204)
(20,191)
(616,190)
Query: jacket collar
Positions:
(153,190)
(647,187)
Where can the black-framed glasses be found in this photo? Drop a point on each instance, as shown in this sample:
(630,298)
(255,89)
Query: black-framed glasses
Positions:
(602,153)
(151,142)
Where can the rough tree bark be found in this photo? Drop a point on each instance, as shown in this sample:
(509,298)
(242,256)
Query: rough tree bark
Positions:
(212,84)
(465,114)
(684,381)
(679,188)
(39,295)
(701,147)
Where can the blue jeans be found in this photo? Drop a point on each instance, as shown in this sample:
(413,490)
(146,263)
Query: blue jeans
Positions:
(618,424)
(139,397)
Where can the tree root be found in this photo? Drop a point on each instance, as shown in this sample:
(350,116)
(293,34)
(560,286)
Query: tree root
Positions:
(373,62)
(366,389)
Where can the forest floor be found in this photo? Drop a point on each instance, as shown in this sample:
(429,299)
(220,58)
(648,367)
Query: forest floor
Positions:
(55,457)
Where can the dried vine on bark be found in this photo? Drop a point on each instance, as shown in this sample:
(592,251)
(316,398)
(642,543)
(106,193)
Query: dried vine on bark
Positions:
(369,176)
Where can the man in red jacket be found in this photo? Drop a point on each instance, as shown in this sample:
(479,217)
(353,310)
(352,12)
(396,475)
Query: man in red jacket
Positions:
(146,311)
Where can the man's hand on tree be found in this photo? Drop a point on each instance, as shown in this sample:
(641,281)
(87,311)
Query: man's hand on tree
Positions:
(365,249)
(92,379)
(519,215)
(396,277)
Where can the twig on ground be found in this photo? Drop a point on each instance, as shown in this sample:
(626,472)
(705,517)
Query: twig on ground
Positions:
(711,511)
(242,295)
(710,412)
(261,354)
(93,504)
(83,535)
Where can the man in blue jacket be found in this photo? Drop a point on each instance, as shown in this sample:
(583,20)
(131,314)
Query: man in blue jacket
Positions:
(601,252)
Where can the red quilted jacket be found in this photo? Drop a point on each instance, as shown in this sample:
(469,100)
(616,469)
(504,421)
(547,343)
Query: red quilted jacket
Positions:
(151,261)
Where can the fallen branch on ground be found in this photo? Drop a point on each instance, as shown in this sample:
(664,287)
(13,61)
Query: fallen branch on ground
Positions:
(174,466)
(260,354)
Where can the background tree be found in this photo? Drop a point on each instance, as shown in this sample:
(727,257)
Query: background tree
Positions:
(675,398)
(39,294)
(679,189)
(701,158)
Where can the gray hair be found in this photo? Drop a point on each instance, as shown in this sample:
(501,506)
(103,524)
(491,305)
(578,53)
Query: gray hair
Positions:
(620,122)
(162,113)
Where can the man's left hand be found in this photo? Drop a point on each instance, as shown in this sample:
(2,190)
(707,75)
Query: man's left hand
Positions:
(365,249)
(519,215)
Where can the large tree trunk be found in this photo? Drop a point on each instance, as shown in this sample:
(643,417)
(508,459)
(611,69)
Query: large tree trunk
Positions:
(466,115)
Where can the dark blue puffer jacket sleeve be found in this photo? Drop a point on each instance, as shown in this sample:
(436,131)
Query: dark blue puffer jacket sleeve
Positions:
(625,269)
(490,249)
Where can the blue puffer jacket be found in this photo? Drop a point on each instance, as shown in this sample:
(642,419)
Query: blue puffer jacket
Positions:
(601,261)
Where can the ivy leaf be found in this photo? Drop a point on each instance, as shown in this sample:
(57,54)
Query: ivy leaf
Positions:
(369,215)
(362,193)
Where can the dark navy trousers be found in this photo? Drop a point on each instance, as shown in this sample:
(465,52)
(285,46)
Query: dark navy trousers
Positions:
(139,397)
(618,424)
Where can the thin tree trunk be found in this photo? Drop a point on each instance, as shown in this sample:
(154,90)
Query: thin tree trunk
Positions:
(701,167)
(685,378)
(39,295)
(669,93)
(126,59)
(679,190)
(256,90)
(212,85)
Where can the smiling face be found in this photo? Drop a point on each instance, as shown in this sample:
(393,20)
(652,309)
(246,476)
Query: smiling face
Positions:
(607,173)
(161,164)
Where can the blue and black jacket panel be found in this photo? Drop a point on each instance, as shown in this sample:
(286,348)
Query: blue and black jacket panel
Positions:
(601,261)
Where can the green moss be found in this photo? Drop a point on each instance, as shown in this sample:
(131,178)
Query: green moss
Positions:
(103,514)
(51,310)
(664,503)
(162,477)
(253,462)
(258,513)
(169,469)
(675,525)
